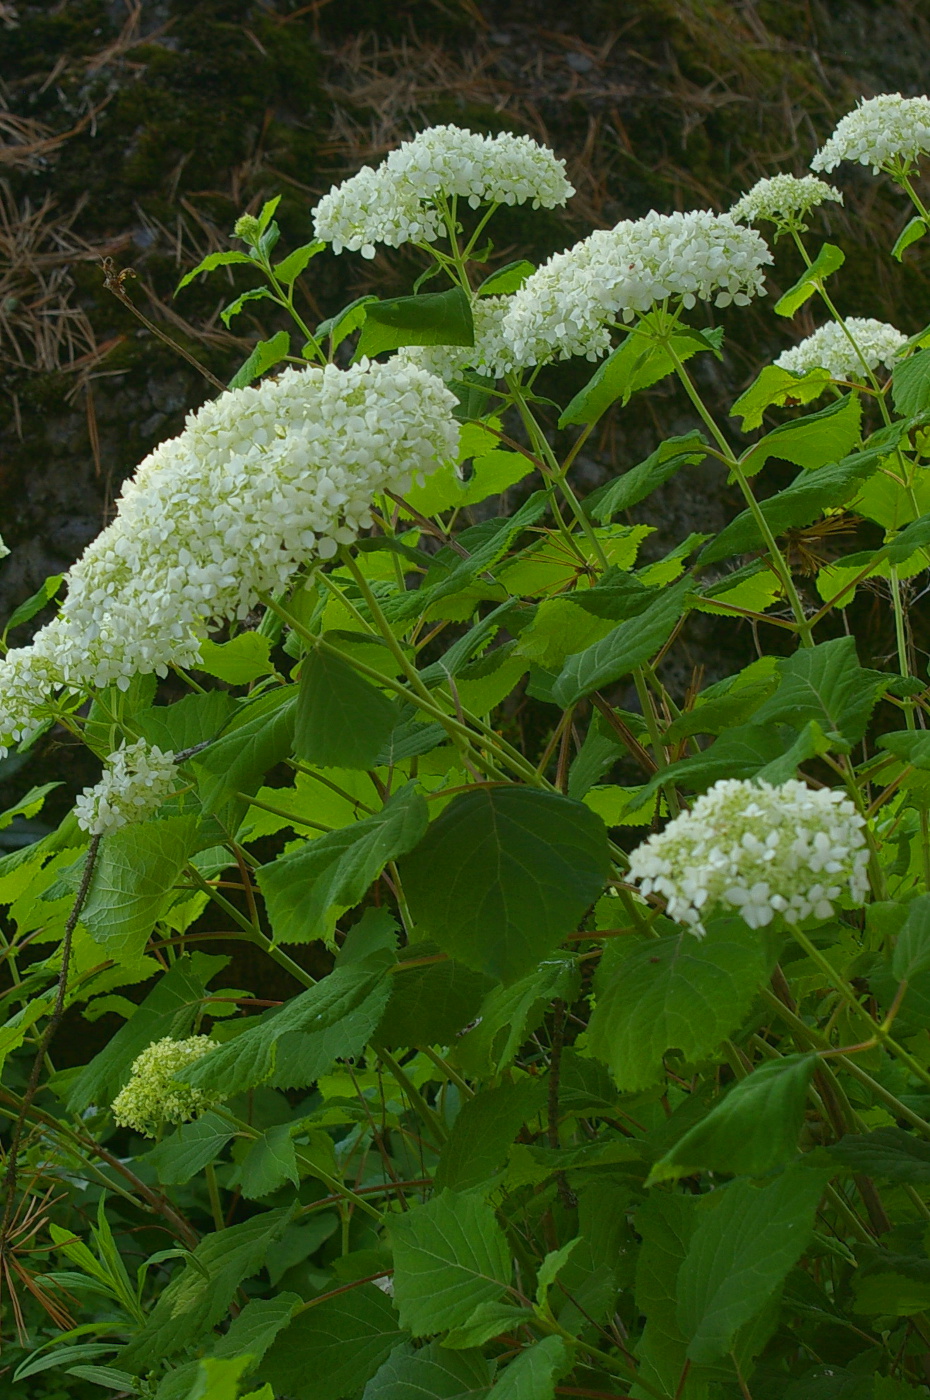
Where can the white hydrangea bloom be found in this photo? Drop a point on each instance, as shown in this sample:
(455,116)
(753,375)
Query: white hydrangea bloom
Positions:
(395,203)
(3,549)
(136,780)
(490,354)
(261,480)
(784,199)
(567,305)
(150,1098)
(759,849)
(828,348)
(880,131)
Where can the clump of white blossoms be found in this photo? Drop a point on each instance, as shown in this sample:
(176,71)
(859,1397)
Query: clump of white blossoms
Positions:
(136,780)
(150,1098)
(490,355)
(758,849)
(889,131)
(261,480)
(567,306)
(784,200)
(830,349)
(396,202)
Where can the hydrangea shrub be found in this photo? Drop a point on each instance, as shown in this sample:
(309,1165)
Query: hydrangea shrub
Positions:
(600,1064)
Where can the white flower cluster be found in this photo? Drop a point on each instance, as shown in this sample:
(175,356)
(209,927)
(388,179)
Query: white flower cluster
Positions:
(828,348)
(395,203)
(880,131)
(135,782)
(566,307)
(784,200)
(261,480)
(490,354)
(759,849)
(150,1098)
(3,549)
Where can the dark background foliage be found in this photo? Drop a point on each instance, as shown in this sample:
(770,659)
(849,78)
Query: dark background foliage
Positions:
(140,129)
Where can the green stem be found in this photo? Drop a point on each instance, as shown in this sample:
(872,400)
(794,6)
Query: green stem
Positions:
(253,931)
(213,1190)
(429,1115)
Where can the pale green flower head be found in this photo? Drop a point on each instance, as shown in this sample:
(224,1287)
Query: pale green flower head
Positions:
(151,1098)
(248,228)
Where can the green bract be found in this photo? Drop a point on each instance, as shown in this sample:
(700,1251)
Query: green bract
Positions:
(516,1014)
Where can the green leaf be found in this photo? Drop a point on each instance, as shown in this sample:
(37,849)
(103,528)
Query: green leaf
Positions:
(266,354)
(623,649)
(825,684)
(484,1131)
(239,760)
(676,992)
(504,874)
(134,880)
(913,230)
(532,1375)
(211,262)
(637,362)
(346,321)
(307,888)
(805,500)
(910,383)
(509,1014)
(493,473)
(28,610)
(889,1153)
(234,307)
(200,1294)
(107,1376)
(433,1371)
(912,949)
(342,720)
(239,661)
(828,260)
(270,1161)
(777,386)
(61,1356)
(334,1346)
(660,466)
(744,1244)
(218,1378)
(487,1321)
(753,1129)
(435,318)
(891,1294)
(290,268)
(333,1018)
(666,1223)
(179,1157)
(812,441)
(257,1326)
(450,1256)
(506,279)
(430,1004)
(188,721)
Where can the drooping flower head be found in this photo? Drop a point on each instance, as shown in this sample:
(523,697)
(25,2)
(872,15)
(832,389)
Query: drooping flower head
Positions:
(828,348)
(759,850)
(784,200)
(136,780)
(889,131)
(150,1098)
(567,306)
(397,202)
(260,481)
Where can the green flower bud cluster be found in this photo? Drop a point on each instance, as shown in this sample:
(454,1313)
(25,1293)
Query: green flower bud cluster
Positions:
(151,1098)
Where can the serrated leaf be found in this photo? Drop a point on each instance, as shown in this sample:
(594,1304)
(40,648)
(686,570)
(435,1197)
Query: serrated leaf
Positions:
(483,1132)
(211,262)
(825,684)
(435,318)
(305,887)
(432,1371)
(533,1374)
(430,1004)
(675,992)
(218,1377)
(342,720)
(888,1153)
(133,881)
(179,1157)
(266,354)
(504,874)
(812,441)
(910,383)
(509,1014)
(334,1346)
(625,648)
(628,490)
(506,279)
(753,1128)
(828,260)
(741,1250)
(238,761)
(239,661)
(450,1256)
(777,386)
(290,268)
(234,307)
(200,1294)
(912,231)
(912,949)
(270,1161)
(346,321)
